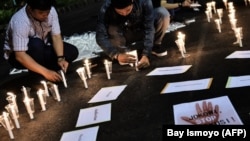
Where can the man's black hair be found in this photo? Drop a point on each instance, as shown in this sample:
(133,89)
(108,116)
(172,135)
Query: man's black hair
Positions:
(119,4)
(40,4)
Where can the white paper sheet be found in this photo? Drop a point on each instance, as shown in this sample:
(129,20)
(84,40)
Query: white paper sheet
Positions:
(238,81)
(94,115)
(227,113)
(108,93)
(239,54)
(187,85)
(169,70)
(88,134)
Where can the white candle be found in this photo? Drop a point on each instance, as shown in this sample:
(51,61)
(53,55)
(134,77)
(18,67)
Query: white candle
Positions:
(40,94)
(233,23)
(225,3)
(182,37)
(208,17)
(106,63)
(29,106)
(213,4)
(11,98)
(8,124)
(64,79)
(217,21)
(220,14)
(45,87)
(13,113)
(238,34)
(180,45)
(25,91)
(81,73)
(87,66)
(230,5)
(58,98)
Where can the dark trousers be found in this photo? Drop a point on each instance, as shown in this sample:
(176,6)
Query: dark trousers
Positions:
(45,54)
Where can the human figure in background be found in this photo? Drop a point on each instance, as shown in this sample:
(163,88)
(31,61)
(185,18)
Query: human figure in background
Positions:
(123,22)
(33,41)
(175,5)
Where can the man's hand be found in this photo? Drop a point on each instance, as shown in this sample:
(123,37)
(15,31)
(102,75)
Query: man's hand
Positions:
(63,64)
(52,76)
(144,62)
(126,58)
(186,3)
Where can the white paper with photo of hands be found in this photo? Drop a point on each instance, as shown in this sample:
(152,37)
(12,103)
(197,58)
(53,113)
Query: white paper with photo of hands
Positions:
(107,94)
(93,115)
(169,70)
(227,114)
(88,134)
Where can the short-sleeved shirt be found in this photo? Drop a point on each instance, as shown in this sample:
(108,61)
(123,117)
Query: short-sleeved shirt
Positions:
(22,26)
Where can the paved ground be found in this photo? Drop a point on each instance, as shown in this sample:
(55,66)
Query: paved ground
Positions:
(140,111)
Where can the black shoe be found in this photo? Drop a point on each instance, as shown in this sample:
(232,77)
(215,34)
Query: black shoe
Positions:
(159,51)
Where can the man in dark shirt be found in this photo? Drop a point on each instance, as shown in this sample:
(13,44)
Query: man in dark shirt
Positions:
(123,22)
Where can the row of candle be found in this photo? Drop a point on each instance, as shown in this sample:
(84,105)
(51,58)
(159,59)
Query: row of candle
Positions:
(232,19)
(12,108)
(85,71)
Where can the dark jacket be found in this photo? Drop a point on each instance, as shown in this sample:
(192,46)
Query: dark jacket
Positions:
(142,16)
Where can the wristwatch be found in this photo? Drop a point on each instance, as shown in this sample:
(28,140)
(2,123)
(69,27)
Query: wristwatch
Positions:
(60,58)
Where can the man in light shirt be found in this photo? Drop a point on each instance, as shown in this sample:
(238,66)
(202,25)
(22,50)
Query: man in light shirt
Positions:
(33,41)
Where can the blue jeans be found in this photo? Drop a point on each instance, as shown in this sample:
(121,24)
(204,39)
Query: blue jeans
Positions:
(161,23)
(45,54)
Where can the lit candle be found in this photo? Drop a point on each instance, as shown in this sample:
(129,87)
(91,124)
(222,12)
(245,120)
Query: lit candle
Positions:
(29,104)
(233,23)
(58,98)
(82,74)
(220,14)
(45,87)
(217,21)
(11,98)
(87,66)
(64,79)
(238,34)
(40,94)
(225,3)
(134,53)
(25,92)
(208,17)
(13,113)
(213,4)
(230,5)
(8,124)
(107,64)
(181,44)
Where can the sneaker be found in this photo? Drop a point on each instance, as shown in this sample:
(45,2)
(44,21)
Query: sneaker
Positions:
(159,51)
(17,71)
